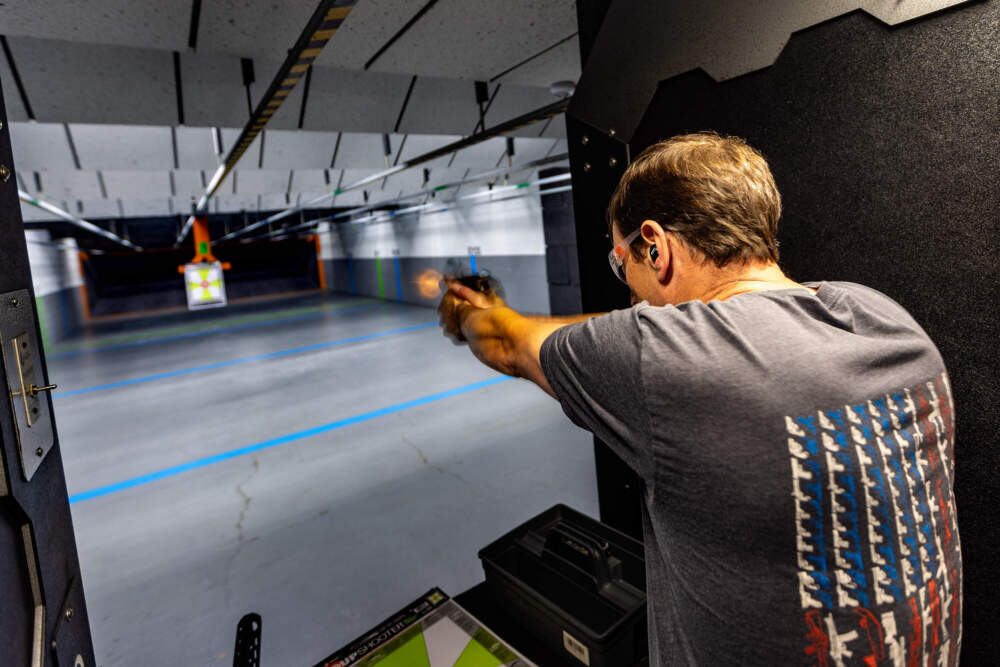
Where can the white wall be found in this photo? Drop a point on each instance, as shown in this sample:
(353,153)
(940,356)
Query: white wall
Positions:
(54,266)
(506,227)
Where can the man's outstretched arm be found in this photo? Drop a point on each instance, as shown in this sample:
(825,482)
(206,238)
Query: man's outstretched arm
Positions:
(499,336)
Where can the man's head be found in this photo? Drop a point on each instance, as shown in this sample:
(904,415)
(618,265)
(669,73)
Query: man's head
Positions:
(704,206)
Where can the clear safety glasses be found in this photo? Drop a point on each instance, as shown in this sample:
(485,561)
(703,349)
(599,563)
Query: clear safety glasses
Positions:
(616,258)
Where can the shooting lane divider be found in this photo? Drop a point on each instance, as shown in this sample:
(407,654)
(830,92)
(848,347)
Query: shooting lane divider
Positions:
(282,440)
(350,274)
(321,273)
(208,329)
(243,360)
(399,284)
(378,272)
(82,257)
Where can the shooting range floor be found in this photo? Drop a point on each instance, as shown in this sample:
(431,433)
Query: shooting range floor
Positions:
(322,461)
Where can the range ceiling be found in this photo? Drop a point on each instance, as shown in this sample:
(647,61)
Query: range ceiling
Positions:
(110,128)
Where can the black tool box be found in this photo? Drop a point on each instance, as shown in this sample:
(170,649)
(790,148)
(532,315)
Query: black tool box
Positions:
(577,585)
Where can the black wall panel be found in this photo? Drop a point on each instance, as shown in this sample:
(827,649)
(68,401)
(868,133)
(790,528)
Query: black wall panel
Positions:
(885,144)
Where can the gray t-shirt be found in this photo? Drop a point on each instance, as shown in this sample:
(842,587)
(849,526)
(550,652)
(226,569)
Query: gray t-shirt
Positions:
(796,456)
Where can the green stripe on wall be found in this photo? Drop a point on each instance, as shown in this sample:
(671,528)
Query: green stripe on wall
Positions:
(42,322)
(378,269)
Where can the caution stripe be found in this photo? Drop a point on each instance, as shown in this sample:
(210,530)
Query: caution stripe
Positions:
(323,24)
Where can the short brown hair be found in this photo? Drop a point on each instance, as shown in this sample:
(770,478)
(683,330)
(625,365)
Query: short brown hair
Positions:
(716,192)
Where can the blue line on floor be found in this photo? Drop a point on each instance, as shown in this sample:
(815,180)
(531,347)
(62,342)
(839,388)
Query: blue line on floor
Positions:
(243,360)
(208,332)
(274,442)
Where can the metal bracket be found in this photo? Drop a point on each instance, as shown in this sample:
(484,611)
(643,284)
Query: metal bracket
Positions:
(25,382)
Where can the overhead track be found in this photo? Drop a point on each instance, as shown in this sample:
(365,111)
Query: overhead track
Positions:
(429,207)
(329,15)
(475,178)
(518,192)
(539,114)
(73,220)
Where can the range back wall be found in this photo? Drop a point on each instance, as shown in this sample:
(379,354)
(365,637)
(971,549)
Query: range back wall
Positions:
(127,282)
(387,259)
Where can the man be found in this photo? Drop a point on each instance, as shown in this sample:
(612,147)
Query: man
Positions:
(794,440)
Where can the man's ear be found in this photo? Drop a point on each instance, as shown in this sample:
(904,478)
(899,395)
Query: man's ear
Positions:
(659,251)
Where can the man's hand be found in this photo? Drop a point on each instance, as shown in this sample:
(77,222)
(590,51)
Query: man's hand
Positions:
(498,336)
(456,304)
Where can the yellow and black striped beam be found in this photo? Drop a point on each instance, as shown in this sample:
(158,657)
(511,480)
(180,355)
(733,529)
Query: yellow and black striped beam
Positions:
(325,21)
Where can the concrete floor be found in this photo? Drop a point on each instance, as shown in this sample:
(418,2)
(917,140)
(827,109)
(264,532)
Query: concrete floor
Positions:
(308,460)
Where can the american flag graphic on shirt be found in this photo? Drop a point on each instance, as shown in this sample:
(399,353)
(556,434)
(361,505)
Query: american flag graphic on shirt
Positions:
(879,562)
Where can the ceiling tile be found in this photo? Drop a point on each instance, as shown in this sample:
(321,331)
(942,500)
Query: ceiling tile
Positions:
(562,63)
(31,213)
(441,106)
(354,101)
(11,95)
(481,156)
(94,83)
(253,28)
(442,176)
(195,148)
(420,144)
(274,202)
(478,39)
(38,146)
(137,184)
(236,203)
(213,90)
(528,149)
(310,180)
(155,24)
(364,150)
(367,28)
(122,146)
(259,182)
(513,101)
(188,183)
(100,208)
(145,207)
(297,149)
(407,182)
(75,184)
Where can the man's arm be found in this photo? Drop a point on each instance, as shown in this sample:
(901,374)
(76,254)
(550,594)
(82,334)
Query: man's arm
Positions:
(499,336)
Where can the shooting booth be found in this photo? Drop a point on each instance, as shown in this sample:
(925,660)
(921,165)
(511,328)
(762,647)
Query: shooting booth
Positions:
(880,123)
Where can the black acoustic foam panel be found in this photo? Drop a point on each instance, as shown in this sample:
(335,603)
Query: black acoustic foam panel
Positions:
(885,144)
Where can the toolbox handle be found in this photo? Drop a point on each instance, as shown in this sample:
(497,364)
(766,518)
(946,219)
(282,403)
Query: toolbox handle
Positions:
(585,552)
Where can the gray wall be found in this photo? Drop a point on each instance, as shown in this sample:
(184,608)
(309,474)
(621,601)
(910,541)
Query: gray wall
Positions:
(522,276)
(60,314)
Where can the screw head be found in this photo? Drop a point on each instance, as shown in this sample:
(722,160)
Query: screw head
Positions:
(69,614)
(612,162)
(612,132)
(585,140)
(586,166)
(13,301)
(4,172)
(39,451)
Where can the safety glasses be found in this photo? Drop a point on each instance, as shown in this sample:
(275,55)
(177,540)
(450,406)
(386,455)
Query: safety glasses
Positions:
(616,258)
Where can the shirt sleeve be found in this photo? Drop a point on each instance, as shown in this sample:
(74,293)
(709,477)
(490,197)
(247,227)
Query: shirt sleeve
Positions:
(594,369)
